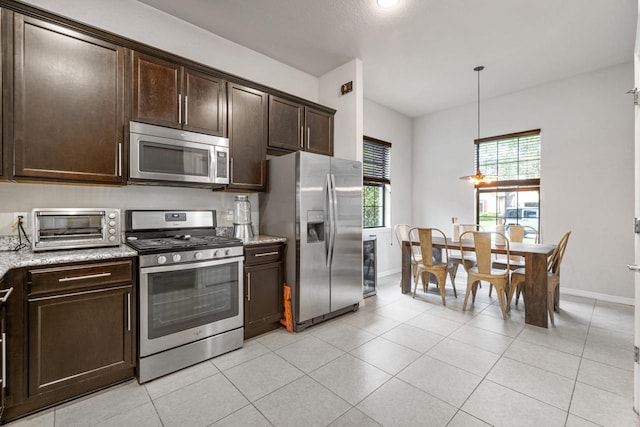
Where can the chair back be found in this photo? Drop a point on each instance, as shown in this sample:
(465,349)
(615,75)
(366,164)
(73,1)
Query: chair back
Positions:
(482,244)
(553,264)
(413,236)
(426,244)
(401,231)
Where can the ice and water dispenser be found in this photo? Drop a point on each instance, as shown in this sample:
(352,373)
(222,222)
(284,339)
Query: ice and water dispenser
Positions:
(315,226)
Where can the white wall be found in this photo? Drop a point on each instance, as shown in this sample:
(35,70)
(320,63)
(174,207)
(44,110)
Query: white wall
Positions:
(145,24)
(391,126)
(587,170)
(347,135)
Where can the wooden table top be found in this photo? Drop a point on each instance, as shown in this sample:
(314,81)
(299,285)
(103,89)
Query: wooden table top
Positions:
(515,248)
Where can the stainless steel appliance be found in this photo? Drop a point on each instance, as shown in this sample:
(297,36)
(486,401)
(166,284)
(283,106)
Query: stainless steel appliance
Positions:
(190,283)
(74,228)
(316,202)
(157,153)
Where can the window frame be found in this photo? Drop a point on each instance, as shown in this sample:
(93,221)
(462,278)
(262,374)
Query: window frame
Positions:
(382,179)
(513,185)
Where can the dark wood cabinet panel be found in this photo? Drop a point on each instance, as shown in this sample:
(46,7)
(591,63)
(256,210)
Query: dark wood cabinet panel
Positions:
(319,131)
(69,340)
(286,123)
(263,291)
(68,111)
(157,89)
(78,336)
(204,103)
(294,126)
(168,94)
(247,117)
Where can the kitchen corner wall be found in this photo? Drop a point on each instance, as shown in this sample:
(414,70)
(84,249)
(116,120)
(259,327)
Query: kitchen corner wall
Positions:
(391,126)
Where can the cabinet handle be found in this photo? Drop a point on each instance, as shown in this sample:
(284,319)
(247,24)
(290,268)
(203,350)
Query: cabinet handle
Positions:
(308,136)
(180,108)
(248,287)
(301,136)
(186,110)
(266,254)
(119,158)
(6,296)
(128,311)
(88,276)
(231,179)
(4,360)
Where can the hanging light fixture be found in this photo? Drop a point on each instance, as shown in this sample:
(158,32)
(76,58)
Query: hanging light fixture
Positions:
(478,177)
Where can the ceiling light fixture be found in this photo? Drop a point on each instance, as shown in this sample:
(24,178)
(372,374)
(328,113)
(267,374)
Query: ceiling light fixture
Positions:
(385,4)
(478,177)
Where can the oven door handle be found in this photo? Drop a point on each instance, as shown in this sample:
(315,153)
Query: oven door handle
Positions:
(191,265)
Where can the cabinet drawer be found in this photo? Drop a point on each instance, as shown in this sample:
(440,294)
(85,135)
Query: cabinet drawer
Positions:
(263,254)
(79,277)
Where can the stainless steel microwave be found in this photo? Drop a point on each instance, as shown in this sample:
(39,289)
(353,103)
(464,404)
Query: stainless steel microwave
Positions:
(158,153)
(74,228)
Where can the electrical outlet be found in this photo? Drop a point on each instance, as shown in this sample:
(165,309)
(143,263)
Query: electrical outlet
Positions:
(25,218)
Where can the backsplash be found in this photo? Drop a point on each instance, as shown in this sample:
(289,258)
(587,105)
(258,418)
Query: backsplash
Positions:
(23,197)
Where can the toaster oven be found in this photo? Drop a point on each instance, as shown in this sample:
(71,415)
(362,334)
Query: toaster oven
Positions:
(74,228)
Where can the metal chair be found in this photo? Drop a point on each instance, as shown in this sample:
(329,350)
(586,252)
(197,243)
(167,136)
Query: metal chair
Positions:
(553,277)
(483,271)
(427,265)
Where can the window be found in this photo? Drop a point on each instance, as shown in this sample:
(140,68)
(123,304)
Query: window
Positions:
(514,196)
(376,177)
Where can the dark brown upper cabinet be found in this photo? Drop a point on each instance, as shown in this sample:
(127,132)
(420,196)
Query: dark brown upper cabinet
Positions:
(293,127)
(248,111)
(168,94)
(68,104)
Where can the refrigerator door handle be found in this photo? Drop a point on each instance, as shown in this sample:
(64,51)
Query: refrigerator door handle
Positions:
(334,217)
(328,203)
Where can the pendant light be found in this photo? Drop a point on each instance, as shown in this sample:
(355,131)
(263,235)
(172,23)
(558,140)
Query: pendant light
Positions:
(478,177)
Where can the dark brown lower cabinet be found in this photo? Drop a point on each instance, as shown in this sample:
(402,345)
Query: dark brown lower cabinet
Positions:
(71,331)
(263,292)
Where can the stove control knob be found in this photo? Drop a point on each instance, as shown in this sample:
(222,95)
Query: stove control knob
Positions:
(226,252)
(112,238)
(112,215)
(176,257)
(197,255)
(161,259)
(112,231)
(112,223)
(216,253)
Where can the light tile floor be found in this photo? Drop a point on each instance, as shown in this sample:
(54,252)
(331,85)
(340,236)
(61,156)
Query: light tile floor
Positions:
(398,361)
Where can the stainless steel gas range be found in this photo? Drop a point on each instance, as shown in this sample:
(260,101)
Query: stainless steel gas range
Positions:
(190,283)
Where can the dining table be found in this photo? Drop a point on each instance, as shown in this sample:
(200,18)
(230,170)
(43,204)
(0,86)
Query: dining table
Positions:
(535,259)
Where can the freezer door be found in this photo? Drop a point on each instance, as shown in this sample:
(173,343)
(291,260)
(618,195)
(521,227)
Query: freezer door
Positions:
(346,267)
(313,285)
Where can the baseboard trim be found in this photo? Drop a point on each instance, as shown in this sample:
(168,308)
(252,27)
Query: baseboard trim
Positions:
(597,295)
(389,273)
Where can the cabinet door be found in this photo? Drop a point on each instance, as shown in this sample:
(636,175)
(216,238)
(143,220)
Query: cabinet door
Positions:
(78,336)
(285,124)
(68,104)
(247,137)
(157,89)
(318,132)
(263,306)
(204,104)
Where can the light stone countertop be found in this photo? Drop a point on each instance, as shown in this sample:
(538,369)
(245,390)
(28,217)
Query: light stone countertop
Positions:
(262,239)
(27,258)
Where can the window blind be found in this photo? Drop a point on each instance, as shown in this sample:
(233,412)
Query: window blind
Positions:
(376,161)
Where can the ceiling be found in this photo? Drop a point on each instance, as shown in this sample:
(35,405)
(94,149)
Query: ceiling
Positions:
(419,56)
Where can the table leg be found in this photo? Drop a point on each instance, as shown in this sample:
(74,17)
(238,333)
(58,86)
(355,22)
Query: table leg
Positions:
(535,293)
(406,268)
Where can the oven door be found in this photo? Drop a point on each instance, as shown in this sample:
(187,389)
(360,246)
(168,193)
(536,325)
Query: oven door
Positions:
(183,303)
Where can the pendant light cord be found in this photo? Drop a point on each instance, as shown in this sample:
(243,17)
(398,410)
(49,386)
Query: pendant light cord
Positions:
(478,69)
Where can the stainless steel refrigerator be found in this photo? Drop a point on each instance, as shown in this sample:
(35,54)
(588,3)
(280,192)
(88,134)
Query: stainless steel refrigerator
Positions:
(315,201)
